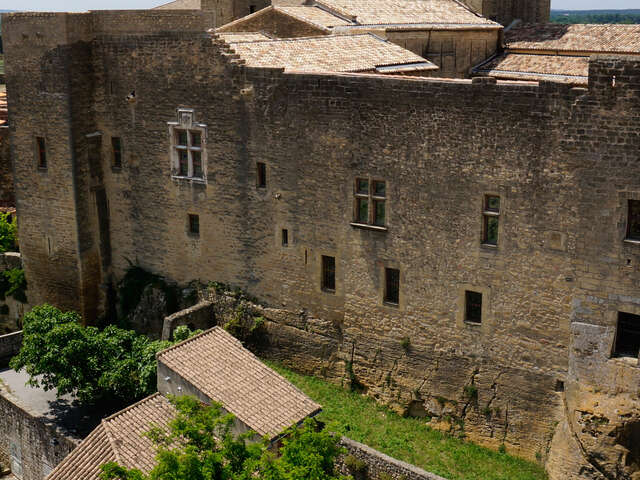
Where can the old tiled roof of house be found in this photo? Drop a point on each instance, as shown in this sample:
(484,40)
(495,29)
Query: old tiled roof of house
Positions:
(331,53)
(4,114)
(118,438)
(180,5)
(611,38)
(515,66)
(231,37)
(219,366)
(313,15)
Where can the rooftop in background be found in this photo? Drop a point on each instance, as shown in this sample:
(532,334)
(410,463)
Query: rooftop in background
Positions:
(219,366)
(71,418)
(231,37)
(4,114)
(332,53)
(118,438)
(557,68)
(575,38)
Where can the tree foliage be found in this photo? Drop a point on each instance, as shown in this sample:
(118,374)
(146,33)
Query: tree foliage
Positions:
(8,232)
(110,366)
(199,445)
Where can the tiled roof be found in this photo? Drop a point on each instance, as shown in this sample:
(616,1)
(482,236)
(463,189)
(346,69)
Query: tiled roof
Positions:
(180,5)
(331,53)
(313,15)
(389,12)
(3,107)
(609,38)
(538,67)
(221,368)
(230,37)
(118,438)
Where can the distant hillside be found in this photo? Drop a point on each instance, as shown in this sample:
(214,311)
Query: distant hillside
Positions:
(596,16)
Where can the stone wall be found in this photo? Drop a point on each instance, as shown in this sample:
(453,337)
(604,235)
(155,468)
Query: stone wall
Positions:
(378,465)
(10,345)
(7,194)
(505,11)
(275,23)
(563,160)
(200,316)
(30,447)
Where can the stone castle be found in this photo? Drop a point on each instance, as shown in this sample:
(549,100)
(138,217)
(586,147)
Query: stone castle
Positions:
(461,248)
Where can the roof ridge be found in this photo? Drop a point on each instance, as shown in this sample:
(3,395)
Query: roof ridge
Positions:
(305,20)
(262,11)
(111,440)
(133,405)
(315,37)
(210,330)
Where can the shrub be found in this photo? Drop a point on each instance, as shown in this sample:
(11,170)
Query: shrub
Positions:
(471,392)
(354,464)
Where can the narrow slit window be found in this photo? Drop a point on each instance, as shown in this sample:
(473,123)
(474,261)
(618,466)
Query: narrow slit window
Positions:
(328,273)
(491,220)
(633,220)
(41,152)
(285,237)
(627,336)
(252,9)
(194,224)
(392,286)
(116,148)
(472,307)
(261,172)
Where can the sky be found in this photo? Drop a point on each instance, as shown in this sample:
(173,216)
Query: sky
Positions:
(82,5)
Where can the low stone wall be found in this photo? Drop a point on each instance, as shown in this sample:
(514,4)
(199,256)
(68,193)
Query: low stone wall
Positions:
(378,466)
(30,447)
(200,316)
(9,346)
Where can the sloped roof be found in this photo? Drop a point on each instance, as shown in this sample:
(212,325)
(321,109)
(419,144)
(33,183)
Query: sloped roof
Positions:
(219,366)
(513,66)
(313,15)
(330,53)
(389,12)
(610,38)
(180,5)
(231,37)
(118,438)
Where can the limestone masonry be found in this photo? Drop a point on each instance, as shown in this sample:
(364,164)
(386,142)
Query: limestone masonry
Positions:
(463,249)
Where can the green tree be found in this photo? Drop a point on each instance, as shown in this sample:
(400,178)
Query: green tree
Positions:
(8,232)
(199,445)
(112,366)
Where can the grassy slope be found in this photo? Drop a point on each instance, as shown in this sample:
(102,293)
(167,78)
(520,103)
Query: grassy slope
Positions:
(408,439)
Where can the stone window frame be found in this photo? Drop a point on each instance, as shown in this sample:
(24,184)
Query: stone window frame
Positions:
(372,199)
(487,214)
(323,286)
(40,152)
(382,285)
(628,198)
(186,121)
(486,318)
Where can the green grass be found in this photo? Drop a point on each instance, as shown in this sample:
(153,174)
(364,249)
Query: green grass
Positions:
(409,439)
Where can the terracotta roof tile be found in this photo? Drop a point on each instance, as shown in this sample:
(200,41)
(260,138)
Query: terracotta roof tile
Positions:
(538,67)
(383,12)
(331,53)
(610,38)
(4,114)
(221,368)
(118,438)
(230,37)
(314,15)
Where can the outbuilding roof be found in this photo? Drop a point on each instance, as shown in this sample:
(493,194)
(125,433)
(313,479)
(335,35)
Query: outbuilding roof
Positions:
(609,38)
(330,53)
(513,66)
(314,15)
(231,37)
(219,366)
(120,438)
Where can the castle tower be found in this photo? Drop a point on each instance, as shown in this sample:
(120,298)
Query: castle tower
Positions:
(506,11)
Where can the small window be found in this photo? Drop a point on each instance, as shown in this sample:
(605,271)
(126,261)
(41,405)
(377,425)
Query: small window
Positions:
(392,286)
(285,237)
(116,148)
(252,8)
(633,220)
(472,307)
(194,224)
(490,216)
(329,273)
(370,200)
(261,171)
(41,152)
(627,336)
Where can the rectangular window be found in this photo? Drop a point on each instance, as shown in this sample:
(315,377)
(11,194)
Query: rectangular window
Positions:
(370,198)
(261,172)
(633,220)
(392,285)
(627,336)
(116,148)
(490,216)
(194,224)
(285,237)
(187,145)
(252,9)
(328,273)
(472,307)
(41,152)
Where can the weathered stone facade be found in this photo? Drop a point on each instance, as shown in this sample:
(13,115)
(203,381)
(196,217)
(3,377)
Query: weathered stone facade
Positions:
(563,160)
(506,11)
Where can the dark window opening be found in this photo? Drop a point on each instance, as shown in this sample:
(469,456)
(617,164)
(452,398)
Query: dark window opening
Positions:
(472,307)
(285,237)
(262,175)
(633,220)
(328,273)
(194,224)
(116,147)
(627,336)
(559,387)
(370,198)
(392,286)
(252,8)
(490,216)
(42,152)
